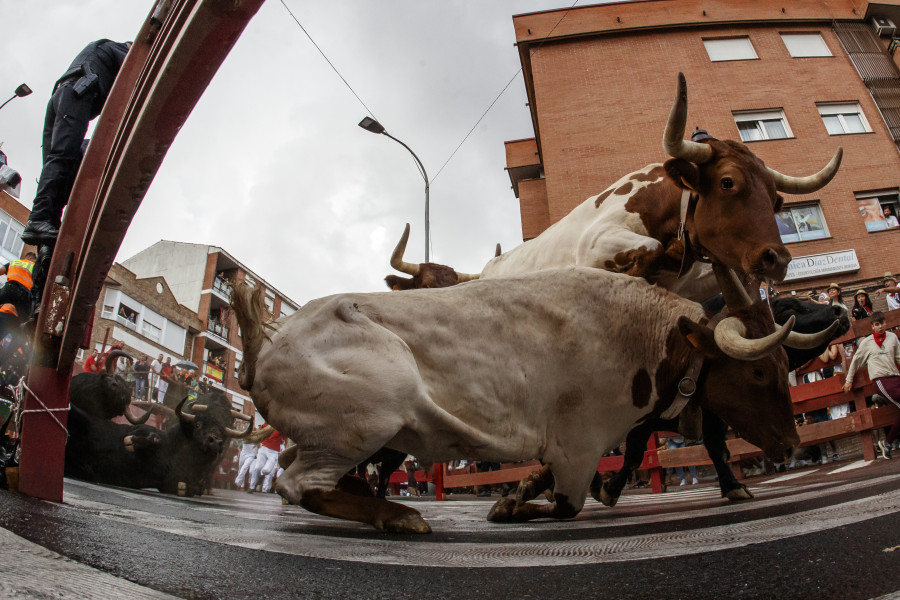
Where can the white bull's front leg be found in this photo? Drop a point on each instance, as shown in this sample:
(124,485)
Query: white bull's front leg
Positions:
(621,250)
(312,481)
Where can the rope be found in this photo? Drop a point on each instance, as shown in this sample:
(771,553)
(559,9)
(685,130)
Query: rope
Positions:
(50,411)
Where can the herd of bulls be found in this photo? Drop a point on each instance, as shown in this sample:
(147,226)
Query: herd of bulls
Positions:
(589,334)
(179,459)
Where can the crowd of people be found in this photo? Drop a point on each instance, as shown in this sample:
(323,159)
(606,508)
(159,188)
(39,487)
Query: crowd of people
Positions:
(151,378)
(877,353)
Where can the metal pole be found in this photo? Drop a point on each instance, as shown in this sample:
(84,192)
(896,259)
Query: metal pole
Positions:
(427,208)
(8,101)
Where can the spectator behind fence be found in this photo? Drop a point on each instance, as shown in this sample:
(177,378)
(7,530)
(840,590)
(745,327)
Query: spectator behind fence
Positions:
(890,290)
(90,365)
(879,353)
(862,306)
(673,443)
(141,372)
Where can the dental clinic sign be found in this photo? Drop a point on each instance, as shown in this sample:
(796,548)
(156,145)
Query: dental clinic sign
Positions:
(816,265)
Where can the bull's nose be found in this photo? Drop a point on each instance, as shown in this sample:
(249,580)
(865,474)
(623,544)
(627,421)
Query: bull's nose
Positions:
(772,263)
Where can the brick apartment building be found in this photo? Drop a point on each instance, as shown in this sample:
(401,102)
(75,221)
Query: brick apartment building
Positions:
(793,80)
(197,275)
(143,316)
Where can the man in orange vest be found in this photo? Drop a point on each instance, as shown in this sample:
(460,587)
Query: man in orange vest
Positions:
(17,289)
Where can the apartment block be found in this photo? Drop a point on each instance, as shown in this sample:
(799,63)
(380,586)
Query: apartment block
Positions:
(793,81)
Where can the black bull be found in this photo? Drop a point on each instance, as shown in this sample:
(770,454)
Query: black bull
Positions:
(179,460)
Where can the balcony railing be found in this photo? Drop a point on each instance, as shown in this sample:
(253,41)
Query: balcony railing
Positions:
(222,288)
(123,321)
(215,327)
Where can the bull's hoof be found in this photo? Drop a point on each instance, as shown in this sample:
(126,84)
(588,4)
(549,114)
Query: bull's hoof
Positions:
(129,443)
(605,497)
(526,491)
(284,501)
(407,522)
(738,494)
(182,488)
(502,511)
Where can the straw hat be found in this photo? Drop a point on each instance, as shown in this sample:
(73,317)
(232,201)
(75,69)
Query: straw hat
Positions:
(863,292)
(834,286)
(888,277)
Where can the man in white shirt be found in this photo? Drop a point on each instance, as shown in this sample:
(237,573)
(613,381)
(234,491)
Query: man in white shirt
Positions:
(890,290)
(155,370)
(880,353)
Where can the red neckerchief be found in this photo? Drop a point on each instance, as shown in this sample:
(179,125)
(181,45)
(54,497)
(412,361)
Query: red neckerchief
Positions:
(879,338)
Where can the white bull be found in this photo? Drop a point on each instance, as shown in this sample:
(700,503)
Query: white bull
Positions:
(557,365)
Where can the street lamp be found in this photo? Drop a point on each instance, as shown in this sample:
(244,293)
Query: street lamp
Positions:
(370,124)
(22,90)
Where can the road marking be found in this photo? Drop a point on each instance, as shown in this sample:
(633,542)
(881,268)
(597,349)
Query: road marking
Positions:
(291,530)
(851,466)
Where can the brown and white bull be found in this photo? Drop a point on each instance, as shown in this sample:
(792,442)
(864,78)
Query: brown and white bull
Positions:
(723,194)
(557,365)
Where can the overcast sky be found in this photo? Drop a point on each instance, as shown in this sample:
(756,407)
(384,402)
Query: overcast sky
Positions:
(271,165)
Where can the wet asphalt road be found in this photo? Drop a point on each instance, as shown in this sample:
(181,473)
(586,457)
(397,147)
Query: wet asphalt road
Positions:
(233,545)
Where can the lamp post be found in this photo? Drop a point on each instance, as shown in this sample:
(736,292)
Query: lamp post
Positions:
(370,124)
(22,90)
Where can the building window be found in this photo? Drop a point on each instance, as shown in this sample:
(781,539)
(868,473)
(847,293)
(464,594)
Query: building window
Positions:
(878,209)
(108,311)
(801,45)
(270,301)
(249,280)
(762,125)
(801,223)
(843,118)
(151,331)
(127,316)
(238,359)
(738,48)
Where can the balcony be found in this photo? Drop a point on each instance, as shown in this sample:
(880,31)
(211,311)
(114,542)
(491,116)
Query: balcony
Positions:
(215,327)
(222,288)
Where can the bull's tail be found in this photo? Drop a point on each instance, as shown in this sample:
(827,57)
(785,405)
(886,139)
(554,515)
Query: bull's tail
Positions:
(250,310)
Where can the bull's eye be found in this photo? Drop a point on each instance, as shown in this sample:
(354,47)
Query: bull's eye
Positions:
(727,183)
(758,373)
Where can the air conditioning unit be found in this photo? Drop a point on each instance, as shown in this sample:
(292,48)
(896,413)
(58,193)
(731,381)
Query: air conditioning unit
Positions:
(884,27)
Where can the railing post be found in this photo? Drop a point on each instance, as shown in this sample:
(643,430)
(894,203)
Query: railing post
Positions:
(657,474)
(437,477)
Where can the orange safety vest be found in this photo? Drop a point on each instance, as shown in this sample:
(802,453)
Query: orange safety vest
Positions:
(20,272)
(9,309)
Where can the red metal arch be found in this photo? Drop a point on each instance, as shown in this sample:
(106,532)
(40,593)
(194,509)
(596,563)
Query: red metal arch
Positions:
(178,50)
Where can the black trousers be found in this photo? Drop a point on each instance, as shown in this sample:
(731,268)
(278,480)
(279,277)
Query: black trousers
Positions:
(65,126)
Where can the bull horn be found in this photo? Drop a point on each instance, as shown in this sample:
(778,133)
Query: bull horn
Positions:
(733,291)
(810,183)
(237,433)
(397,257)
(113,357)
(154,407)
(463,277)
(137,420)
(673,139)
(730,336)
(239,415)
(184,416)
(259,435)
(808,341)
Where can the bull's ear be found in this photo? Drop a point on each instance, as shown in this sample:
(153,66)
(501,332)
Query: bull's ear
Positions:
(697,335)
(685,174)
(779,202)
